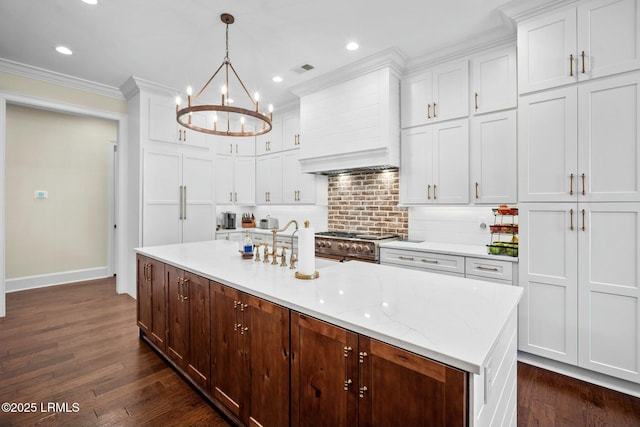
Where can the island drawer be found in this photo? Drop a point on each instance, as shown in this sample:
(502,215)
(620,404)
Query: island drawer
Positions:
(423,260)
(490,269)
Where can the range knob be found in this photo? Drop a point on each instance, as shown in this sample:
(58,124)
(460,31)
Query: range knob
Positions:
(358,248)
(327,244)
(318,243)
(343,246)
(366,249)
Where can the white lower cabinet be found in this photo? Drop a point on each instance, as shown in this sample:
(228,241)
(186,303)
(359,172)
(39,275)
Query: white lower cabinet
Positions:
(580,270)
(178,198)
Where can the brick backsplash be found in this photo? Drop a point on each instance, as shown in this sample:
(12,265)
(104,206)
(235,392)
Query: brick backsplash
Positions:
(367,202)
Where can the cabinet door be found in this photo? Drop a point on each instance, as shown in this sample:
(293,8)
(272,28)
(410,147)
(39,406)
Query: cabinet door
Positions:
(224,179)
(416,94)
(548,273)
(266,345)
(177,317)
(161,224)
(416,165)
(198,189)
(547,51)
(199,302)
(451,162)
(228,363)
(609,147)
(323,373)
(244,192)
(494,158)
(608,38)
(269,179)
(270,142)
(290,177)
(494,81)
(547,146)
(192,137)
(402,389)
(144,295)
(162,120)
(451,91)
(291,131)
(609,294)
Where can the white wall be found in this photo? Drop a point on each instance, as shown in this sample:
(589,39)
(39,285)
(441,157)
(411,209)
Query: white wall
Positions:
(65,155)
(450,224)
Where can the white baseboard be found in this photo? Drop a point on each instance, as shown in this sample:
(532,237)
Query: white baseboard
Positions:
(592,377)
(44,280)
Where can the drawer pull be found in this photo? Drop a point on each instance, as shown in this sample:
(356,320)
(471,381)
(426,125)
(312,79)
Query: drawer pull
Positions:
(481,267)
(429,261)
(406,258)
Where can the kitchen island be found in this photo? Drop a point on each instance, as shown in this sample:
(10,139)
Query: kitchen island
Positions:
(446,345)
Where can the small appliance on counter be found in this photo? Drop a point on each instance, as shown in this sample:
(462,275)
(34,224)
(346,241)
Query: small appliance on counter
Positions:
(228,220)
(269,223)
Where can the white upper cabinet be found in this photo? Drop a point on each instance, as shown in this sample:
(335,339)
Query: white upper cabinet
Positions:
(164,127)
(269,179)
(235,170)
(548,146)
(270,142)
(596,39)
(494,81)
(493,158)
(291,131)
(437,94)
(581,143)
(435,164)
(298,187)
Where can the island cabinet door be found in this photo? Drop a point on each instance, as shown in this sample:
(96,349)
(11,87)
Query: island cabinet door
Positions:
(265,342)
(177,316)
(144,295)
(397,387)
(199,303)
(323,374)
(227,363)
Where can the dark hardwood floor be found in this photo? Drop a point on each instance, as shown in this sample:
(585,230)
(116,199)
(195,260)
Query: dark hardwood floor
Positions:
(78,343)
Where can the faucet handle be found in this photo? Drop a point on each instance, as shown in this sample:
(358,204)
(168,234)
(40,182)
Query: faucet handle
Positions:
(283,257)
(266,254)
(274,254)
(292,260)
(256,249)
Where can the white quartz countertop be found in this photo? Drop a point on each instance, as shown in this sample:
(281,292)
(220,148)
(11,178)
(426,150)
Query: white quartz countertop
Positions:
(452,320)
(446,248)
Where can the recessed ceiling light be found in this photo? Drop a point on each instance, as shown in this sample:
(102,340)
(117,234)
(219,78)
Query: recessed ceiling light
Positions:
(91,2)
(63,50)
(277,79)
(352,46)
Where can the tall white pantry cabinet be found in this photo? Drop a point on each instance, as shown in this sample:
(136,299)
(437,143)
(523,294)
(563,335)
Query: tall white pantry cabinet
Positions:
(176,169)
(579,186)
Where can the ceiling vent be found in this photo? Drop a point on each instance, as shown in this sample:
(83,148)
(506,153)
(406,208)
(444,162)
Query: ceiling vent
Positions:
(303,68)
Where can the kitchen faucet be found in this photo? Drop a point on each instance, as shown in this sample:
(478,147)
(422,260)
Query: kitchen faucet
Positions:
(292,260)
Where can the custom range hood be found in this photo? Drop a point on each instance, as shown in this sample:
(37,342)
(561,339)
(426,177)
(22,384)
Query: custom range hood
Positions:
(350,119)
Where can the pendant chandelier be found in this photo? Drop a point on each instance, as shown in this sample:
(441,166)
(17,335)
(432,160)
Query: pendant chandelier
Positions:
(227,120)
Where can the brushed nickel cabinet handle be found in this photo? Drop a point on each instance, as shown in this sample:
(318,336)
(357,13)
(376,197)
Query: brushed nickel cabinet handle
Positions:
(476,101)
(434,189)
(230,148)
(583,192)
(434,111)
(429,261)
(184,202)
(582,55)
(428,111)
(429,192)
(481,267)
(477,190)
(406,258)
(582,228)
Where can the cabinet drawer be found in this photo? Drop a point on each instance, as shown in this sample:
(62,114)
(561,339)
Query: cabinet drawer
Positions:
(423,260)
(491,269)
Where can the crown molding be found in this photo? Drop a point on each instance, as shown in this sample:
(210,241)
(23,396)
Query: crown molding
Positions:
(461,50)
(519,10)
(53,77)
(133,85)
(389,58)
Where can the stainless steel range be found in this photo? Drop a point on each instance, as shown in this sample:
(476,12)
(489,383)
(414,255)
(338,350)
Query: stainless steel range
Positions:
(346,246)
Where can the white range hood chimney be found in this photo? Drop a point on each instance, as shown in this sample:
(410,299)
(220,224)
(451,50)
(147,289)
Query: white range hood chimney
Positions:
(350,119)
